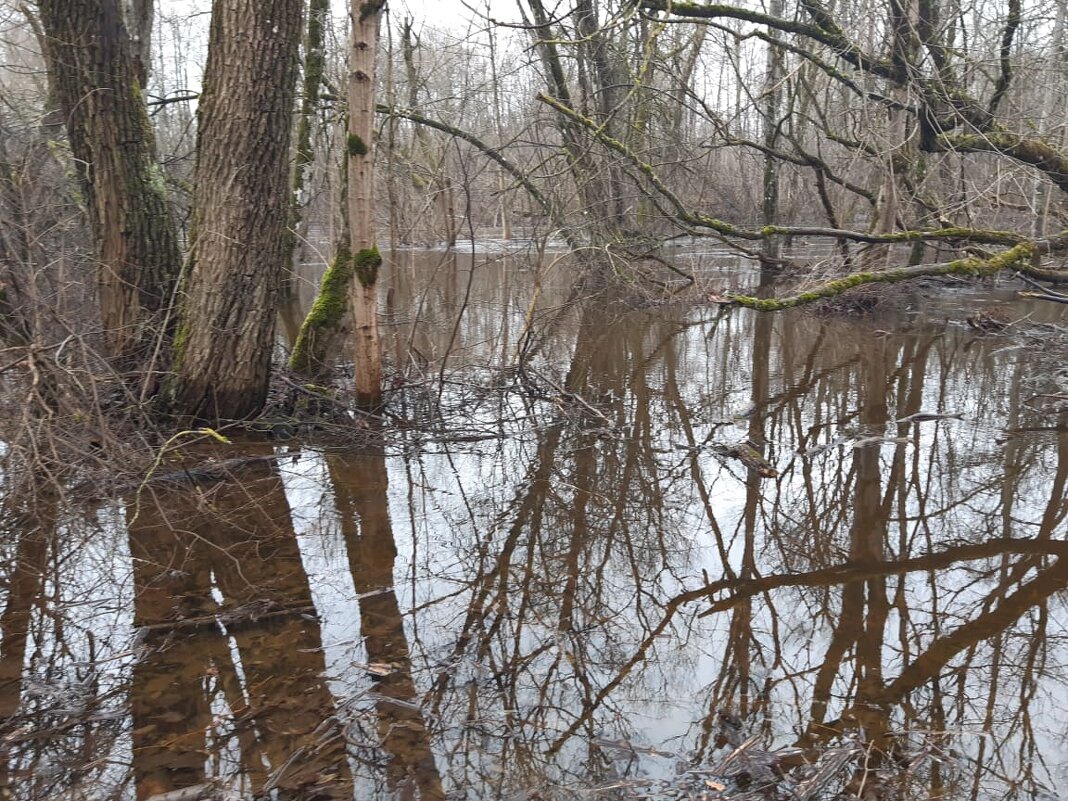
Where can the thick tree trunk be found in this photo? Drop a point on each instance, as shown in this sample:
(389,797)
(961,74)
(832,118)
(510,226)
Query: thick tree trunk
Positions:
(96,82)
(241,209)
(363,296)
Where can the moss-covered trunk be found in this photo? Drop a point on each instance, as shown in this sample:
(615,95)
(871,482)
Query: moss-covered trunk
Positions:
(319,329)
(96,80)
(357,254)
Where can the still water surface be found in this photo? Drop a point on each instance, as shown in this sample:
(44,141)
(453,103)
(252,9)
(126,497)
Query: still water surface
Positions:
(562,582)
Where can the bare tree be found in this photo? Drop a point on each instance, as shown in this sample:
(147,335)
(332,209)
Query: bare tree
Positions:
(354,272)
(241,210)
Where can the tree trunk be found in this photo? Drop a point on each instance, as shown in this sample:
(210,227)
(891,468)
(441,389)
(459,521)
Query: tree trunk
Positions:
(96,82)
(772,113)
(16,322)
(363,295)
(139,14)
(241,209)
(503,197)
(357,255)
(599,209)
(304,158)
(1042,193)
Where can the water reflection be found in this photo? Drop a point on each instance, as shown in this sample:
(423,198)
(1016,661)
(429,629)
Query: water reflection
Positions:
(231,667)
(360,483)
(579,580)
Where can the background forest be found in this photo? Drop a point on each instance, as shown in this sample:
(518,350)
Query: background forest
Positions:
(155,203)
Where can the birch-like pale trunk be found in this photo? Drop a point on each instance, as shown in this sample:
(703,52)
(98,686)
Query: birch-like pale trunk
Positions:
(363,293)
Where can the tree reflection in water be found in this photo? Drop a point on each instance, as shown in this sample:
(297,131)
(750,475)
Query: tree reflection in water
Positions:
(360,484)
(231,654)
(577,586)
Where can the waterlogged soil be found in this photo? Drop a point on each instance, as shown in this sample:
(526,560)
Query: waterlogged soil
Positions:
(682,553)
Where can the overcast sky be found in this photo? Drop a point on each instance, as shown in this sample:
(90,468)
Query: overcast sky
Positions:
(182,25)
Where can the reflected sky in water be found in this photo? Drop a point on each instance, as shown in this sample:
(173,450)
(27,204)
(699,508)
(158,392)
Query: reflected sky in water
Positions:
(677,552)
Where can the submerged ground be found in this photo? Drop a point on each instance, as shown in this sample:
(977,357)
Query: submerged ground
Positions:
(563,582)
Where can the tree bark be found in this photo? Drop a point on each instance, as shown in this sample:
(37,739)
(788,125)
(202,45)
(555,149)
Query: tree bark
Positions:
(139,15)
(96,82)
(241,210)
(353,275)
(772,111)
(363,294)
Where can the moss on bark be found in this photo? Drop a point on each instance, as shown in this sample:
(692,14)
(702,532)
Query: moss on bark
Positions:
(970,267)
(356,146)
(328,311)
(366,264)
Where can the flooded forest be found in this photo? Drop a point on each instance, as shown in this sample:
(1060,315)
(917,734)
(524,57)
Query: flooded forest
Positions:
(558,399)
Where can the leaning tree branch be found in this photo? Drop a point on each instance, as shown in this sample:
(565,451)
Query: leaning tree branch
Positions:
(831,71)
(825,31)
(944,90)
(698,220)
(1017,258)
(1032,152)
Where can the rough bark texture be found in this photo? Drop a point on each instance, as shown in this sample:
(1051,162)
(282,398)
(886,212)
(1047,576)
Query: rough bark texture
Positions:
(139,14)
(96,83)
(363,295)
(241,209)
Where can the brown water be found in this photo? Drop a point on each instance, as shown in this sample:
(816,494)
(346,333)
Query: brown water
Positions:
(566,585)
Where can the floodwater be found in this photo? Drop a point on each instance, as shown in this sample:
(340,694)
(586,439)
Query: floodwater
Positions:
(565,581)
